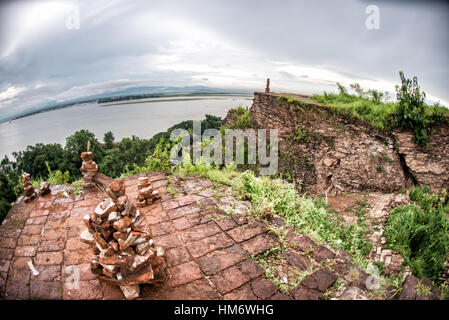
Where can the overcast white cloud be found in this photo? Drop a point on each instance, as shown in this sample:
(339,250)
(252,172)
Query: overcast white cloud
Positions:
(303,46)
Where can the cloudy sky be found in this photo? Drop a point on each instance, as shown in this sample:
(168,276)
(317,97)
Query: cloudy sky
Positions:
(303,46)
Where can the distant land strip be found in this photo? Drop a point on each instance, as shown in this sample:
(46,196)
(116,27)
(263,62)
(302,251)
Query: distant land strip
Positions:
(221,97)
(135,99)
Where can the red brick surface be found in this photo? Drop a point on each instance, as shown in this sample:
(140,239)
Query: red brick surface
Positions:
(208,251)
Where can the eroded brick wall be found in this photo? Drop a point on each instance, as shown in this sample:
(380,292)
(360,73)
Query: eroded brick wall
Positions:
(337,153)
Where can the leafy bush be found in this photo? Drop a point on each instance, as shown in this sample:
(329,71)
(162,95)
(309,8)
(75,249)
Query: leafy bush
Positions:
(209,171)
(57,177)
(158,161)
(7,195)
(376,96)
(420,232)
(242,119)
(301,133)
(4,208)
(411,112)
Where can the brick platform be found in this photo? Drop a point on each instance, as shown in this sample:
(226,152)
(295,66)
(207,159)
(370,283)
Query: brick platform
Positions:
(210,245)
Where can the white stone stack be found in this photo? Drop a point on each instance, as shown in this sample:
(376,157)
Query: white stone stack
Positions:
(146,195)
(28,188)
(125,253)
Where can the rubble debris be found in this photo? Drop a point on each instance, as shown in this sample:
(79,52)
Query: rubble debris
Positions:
(131,292)
(28,188)
(146,195)
(44,188)
(124,252)
(32,268)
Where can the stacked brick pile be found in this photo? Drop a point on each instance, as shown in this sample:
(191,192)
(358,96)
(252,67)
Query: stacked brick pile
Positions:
(267,88)
(125,254)
(88,169)
(44,188)
(146,195)
(28,188)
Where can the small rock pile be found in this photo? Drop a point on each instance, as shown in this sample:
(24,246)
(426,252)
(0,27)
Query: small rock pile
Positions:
(146,194)
(267,88)
(44,188)
(88,169)
(125,254)
(28,188)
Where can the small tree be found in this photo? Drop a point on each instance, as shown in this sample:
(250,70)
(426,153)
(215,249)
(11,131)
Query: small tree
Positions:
(358,89)
(75,144)
(109,139)
(411,113)
(376,95)
(342,90)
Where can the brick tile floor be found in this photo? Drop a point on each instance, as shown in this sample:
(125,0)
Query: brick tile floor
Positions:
(208,252)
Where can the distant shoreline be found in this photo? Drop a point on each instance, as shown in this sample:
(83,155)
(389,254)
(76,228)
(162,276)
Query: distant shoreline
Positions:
(137,100)
(176,99)
(32,113)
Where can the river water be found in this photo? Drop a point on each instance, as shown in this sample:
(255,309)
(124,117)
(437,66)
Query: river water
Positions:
(124,120)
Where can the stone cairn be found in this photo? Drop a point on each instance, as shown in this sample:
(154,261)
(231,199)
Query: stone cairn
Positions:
(44,188)
(28,188)
(88,168)
(125,253)
(267,88)
(146,195)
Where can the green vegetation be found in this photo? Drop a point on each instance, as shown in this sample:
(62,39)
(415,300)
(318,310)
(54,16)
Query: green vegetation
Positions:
(61,165)
(241,119)
(293,102)
(108,140)
(77,185)
(301,134)
(409,112)
(420,232)
(377,114)
(57,177)
(306,215)
(212,172)
(412,113)
(422,289)
(9,188)
(159,160)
